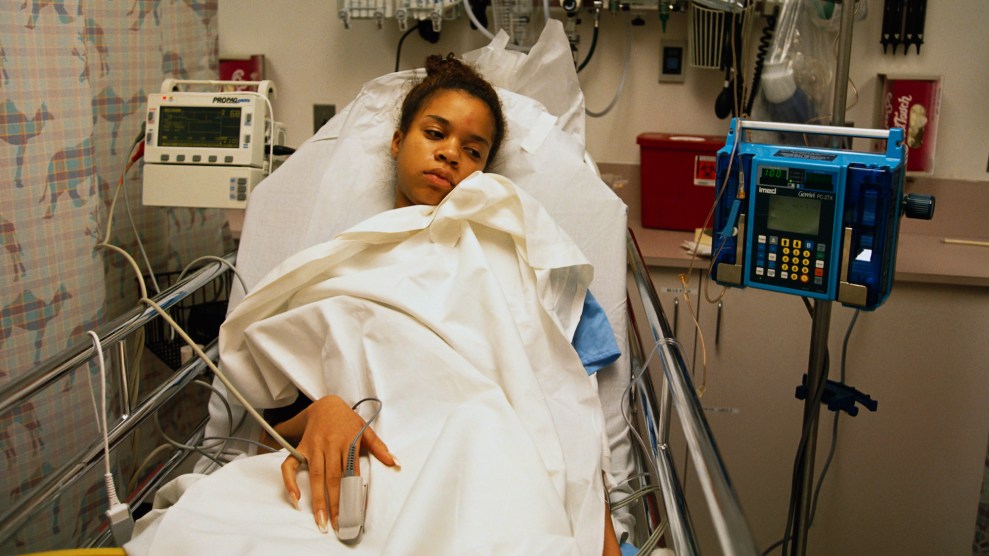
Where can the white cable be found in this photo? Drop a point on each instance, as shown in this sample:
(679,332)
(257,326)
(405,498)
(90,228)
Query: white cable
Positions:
(219,260)
(98,346)
(226,382)
(271,117)
(202,355)
(171,333)
(488,34)
(140,245)
(121,522)
(621,83)
(133,223)
(473,19)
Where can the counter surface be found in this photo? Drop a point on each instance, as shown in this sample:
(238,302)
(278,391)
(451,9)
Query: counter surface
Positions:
(922,253)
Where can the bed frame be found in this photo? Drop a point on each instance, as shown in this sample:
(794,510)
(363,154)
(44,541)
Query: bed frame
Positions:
(659,503)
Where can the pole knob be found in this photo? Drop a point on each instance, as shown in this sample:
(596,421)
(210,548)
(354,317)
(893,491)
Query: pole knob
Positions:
(918,206)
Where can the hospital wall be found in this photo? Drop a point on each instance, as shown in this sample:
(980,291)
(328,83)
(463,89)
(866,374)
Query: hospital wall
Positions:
(313,59)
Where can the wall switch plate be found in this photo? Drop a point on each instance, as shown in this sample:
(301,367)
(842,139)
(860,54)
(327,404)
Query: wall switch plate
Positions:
(672,61)
(321,113)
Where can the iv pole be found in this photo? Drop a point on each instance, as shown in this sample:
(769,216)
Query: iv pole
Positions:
(816,372)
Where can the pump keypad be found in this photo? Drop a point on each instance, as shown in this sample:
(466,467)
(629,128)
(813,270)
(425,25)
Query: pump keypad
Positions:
(790,261)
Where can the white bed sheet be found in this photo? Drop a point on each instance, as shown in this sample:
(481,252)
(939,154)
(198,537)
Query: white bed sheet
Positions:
(343,175)
(458,318)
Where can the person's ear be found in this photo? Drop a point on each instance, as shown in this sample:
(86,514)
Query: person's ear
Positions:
(396,140)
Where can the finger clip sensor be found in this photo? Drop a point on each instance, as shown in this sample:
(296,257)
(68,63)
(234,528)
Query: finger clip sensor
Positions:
(353,502)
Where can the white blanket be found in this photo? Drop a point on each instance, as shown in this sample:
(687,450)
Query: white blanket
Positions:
(459,318)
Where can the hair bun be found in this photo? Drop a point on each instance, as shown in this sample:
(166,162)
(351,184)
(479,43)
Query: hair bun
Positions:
(437,64)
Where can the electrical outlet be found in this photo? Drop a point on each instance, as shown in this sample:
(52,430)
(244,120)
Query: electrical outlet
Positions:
(321,113)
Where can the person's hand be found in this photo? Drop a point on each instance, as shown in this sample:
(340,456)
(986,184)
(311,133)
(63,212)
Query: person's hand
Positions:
(326,429)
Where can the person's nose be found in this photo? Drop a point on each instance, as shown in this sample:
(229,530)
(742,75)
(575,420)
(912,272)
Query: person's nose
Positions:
(449,153)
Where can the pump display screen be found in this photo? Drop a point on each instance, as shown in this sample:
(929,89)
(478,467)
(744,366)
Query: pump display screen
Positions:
(776,176)
(797,215)
(773,176)
(199,126)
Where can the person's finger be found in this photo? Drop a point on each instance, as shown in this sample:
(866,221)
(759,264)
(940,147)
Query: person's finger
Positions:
(334,470)
(317,472)
(378,449)
(290,468)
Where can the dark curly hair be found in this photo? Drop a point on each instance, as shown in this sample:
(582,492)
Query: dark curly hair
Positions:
(451,74)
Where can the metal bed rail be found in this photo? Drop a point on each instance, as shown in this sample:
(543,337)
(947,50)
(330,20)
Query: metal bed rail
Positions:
(677,393)
(112,337)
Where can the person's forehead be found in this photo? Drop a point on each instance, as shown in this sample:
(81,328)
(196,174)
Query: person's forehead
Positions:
(452,104)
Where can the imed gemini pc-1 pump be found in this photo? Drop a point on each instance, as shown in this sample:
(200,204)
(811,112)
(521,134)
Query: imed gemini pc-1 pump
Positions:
(820,223)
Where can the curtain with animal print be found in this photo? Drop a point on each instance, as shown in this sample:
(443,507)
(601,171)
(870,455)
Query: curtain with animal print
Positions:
(74,81)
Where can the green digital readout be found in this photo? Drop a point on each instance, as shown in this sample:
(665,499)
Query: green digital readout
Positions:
(772,176)
(199,126)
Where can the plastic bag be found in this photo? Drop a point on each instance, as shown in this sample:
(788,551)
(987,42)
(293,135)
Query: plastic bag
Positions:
(546,74)
(797,79)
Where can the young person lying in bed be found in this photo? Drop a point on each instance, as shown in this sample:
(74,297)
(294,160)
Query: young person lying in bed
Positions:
(451,126)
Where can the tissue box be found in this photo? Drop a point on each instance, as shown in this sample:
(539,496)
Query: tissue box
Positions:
(913,103)
(678,173)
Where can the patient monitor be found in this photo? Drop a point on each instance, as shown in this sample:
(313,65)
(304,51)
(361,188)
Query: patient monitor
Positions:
(208,149)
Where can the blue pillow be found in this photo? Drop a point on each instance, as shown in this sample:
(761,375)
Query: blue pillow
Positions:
(594,339)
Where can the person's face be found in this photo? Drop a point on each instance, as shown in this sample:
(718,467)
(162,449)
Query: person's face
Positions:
(449,139)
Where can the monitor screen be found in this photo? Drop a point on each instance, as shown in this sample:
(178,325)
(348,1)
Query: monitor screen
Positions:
(796,215)
(199,126)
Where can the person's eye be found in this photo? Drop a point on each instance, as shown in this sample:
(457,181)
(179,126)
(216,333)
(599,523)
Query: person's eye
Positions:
(473,153)
(434,133)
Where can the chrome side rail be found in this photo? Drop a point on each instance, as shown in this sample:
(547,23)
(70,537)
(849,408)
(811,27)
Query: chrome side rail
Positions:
(732,529)
(80,354)
(38,378)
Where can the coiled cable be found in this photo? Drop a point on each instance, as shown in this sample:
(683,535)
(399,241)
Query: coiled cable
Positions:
(765,41)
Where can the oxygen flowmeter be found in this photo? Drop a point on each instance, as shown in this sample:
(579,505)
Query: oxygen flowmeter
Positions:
(816,222)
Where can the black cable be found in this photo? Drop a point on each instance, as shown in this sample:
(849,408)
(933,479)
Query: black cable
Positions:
(834,443)
(765,41)
(280,150)
(798,462)
(398,54)
(590,51)
(834,425)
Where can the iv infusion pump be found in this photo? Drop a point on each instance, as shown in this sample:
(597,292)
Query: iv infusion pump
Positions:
(207,149)
(819,223)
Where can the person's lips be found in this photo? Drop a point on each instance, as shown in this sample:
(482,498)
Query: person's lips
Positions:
(440,178)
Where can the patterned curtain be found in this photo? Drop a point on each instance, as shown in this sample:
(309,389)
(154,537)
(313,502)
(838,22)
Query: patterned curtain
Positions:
(74,80)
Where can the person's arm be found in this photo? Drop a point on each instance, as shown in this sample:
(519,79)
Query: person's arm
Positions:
(324,431)
(611,547)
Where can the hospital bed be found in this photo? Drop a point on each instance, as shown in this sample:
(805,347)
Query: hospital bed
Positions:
(303,203)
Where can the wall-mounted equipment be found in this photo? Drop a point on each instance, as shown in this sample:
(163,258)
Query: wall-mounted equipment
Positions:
(404,11)
(819,223)
(208,149)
